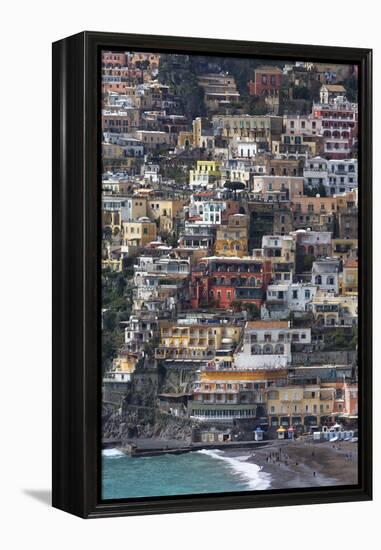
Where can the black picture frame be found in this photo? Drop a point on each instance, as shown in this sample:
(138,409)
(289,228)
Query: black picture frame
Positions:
(76,266)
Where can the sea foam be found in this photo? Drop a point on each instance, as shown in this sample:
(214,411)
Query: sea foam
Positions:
(112,453)
(248,471)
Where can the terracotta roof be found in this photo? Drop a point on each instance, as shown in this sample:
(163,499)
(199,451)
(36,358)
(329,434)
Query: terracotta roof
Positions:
(335,87)
(351,263)
(267,324)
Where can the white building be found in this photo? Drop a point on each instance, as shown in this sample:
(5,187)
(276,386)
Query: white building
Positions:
(245,148)
(337,176)
(267,344)
(151,173)
(207,208)
(342,176)
(316,172)
(302,125)
(296,296)
(325,274)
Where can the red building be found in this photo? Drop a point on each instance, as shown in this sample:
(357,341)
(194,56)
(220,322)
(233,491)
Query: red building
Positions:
(267,81)
(219,281)
(339,127)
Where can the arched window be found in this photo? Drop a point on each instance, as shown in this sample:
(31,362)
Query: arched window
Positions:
(279,348)
(256,350)
(318,279)
(267,349)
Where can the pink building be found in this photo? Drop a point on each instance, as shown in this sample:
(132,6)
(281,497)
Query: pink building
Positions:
(339,128)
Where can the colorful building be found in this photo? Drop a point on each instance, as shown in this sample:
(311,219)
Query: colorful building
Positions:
(232,239)
(139,233)
(228,395)
(350,277)
(220,281)
(267,81)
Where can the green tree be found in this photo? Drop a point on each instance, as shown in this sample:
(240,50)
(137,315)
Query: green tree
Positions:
(180,72)
(351,86)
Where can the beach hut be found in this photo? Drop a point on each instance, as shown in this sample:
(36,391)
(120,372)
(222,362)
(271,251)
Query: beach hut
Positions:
(281,432)
(258,434)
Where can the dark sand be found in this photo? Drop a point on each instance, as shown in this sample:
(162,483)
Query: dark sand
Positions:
(292,464)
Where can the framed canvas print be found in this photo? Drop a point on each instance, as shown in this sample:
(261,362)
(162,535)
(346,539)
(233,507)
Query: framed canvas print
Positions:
(212,274)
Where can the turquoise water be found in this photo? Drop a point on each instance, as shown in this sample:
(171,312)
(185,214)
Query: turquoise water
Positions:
(206,471)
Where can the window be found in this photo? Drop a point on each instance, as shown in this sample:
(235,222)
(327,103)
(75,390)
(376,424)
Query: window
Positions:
(294,294)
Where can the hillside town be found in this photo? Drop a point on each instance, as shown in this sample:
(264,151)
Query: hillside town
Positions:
(229,247)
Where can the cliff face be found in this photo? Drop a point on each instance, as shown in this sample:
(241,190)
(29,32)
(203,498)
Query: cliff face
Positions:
(139,415)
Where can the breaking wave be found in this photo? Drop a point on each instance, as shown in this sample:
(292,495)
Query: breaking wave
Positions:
(112,453)
(248,471)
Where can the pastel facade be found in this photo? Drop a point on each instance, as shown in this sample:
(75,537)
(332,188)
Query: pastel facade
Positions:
(350,277)
(267,344)
(139,232)
(296,296)
(194,342)
(325,274)
(228,395)
(206,171)
(299,406)
(277,188)
(231,239)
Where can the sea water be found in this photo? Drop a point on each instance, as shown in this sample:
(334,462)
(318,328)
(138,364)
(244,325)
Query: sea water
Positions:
(204,471)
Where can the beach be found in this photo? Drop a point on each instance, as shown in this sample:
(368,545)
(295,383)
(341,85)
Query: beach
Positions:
(287,464)
(304,463)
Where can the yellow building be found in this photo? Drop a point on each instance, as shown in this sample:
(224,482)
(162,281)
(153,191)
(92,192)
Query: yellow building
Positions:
(198,342)
(139,232)
(226,395)
(296,405)
(326,309)
(125,363)
(350,277)
(197,131)
(232,239)
(164,211)
(185,139)
(207,171)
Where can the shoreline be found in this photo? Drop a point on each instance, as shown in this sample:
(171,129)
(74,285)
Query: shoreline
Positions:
(298,464)
(289,464)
